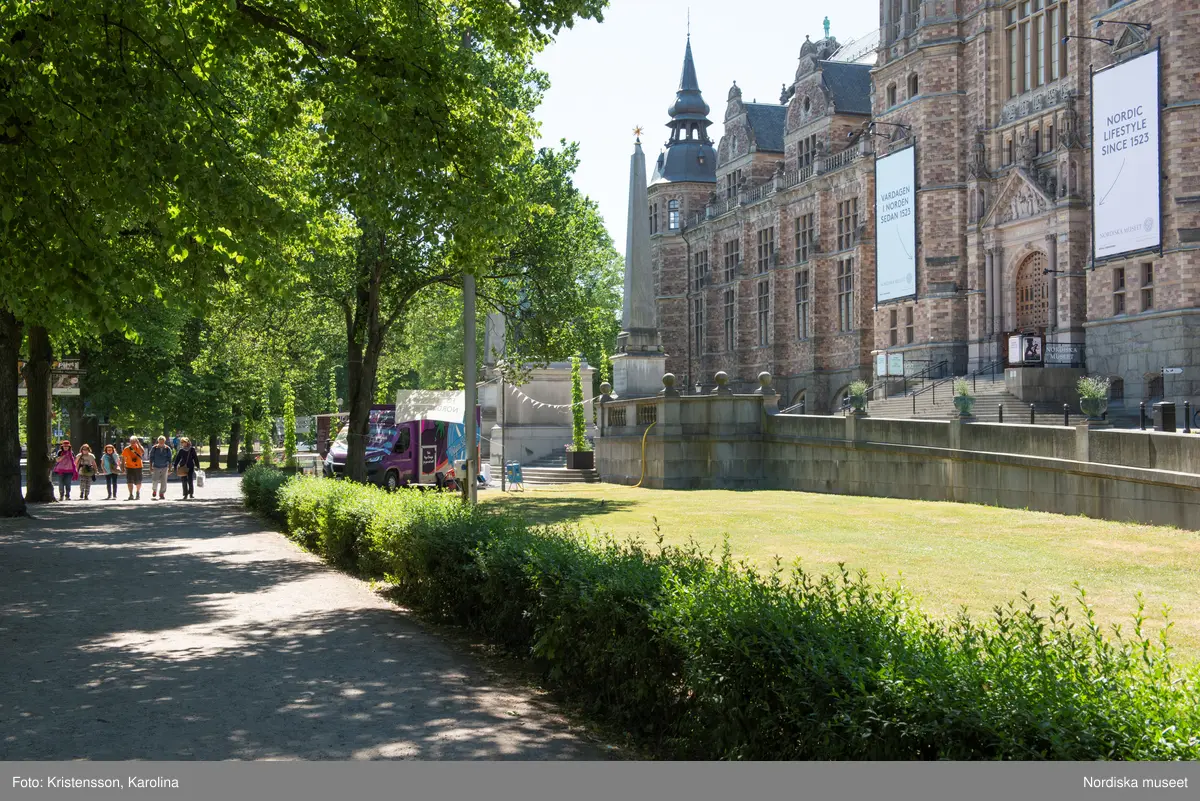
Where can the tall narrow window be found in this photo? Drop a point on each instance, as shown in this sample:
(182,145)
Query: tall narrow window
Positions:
(909,325)
(847,223)
(802,304)
(891,95)
(732,257)
(845,294)
(1014,86)
(654,218)
(698,324)
(766,247)
(1118,283)
(699,270)
(1039,24)
(673,215)
(804,237)
(764,312)
(1147,287)
(893,327)
(730,330)
(912,85)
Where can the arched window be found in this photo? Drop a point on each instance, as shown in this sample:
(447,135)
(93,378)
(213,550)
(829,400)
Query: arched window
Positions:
(807,105)
(673,214)
(891,95)
(1033,299)
(912,85)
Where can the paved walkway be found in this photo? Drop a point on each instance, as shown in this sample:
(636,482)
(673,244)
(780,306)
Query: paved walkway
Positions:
(172,630)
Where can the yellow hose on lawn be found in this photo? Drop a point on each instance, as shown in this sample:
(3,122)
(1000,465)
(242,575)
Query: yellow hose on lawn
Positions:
(643,476)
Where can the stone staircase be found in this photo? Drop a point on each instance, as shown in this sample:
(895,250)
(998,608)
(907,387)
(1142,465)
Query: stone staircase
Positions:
(937,403)
(552,469)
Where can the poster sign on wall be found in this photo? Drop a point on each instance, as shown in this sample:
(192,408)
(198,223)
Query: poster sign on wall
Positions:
(896,226)
(1126,178)
(880,365)
(896,364)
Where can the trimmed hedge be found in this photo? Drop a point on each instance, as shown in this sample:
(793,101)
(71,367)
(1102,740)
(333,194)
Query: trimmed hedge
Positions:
(702,658)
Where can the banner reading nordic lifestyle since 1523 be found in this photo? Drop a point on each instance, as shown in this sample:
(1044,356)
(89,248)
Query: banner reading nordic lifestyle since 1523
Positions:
(895,226)
(1126,179)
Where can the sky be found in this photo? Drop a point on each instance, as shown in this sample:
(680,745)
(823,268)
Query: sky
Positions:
(606,78)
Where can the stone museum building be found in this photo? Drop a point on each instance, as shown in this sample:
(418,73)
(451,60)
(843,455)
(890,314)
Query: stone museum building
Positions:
(763,246)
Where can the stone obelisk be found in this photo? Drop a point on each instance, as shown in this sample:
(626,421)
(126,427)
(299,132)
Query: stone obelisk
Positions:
(639,363)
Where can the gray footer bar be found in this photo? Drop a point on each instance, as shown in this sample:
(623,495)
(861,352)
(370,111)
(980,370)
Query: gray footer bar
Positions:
(532,781)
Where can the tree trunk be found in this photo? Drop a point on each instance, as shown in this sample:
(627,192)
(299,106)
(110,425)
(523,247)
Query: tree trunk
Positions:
(235,437)
(214,452)
(38,487)
(74,409)
(12,504)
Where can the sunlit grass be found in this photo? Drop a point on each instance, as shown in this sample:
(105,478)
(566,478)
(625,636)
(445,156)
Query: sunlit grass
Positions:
(948,554)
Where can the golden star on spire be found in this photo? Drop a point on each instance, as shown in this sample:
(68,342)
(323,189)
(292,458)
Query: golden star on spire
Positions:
(638,132)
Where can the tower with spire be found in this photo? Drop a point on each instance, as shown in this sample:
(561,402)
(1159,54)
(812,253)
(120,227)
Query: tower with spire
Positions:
(688,155)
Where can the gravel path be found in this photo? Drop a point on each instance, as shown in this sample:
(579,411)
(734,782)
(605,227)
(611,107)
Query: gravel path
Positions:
(172,630)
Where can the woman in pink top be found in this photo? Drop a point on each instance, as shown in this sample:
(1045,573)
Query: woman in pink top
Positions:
(64,468)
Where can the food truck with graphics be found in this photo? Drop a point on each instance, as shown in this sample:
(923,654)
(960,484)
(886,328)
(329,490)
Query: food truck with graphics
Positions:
(418,441)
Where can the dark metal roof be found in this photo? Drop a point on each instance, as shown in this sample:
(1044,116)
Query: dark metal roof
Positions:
(768,122)
(849,85)
(686,161)
(689,103)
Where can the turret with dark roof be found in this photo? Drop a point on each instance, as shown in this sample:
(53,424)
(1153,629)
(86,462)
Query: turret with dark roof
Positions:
(688,155)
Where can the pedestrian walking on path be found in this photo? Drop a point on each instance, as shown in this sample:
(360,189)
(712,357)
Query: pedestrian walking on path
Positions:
(131,457)
(160,464)
(85,465)
(185,463)
(64,468)
(110,468)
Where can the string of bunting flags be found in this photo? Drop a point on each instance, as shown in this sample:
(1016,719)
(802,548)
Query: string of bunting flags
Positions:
(537,404)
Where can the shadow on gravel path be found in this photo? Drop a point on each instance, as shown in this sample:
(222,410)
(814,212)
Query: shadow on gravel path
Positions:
(178,631)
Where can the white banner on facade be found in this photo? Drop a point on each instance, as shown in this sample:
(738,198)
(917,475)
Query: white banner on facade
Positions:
(1126,179)
(895,226)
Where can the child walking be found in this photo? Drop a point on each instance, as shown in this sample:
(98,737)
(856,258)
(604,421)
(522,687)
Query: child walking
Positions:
(86,467)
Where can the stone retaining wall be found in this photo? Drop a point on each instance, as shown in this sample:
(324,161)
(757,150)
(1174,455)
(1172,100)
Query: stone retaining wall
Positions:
(739,442)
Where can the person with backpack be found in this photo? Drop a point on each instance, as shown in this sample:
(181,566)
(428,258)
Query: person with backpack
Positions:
(131,458)
(185,463)
(64,468)
(110,468)
(160,464)
(86,466)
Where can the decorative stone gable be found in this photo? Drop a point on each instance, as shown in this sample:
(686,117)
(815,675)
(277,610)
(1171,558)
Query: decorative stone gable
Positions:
(1019,198)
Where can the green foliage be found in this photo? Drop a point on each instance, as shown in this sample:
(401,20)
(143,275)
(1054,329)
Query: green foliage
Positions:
(962,387)
(289,426)
(331,404)
(578,420)
(703,658)
(857,389)
(260,491)
(1093,386)
(266,426)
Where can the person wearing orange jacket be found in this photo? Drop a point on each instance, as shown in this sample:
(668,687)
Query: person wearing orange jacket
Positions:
(132,458)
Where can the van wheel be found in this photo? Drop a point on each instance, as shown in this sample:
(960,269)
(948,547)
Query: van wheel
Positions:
(391,481)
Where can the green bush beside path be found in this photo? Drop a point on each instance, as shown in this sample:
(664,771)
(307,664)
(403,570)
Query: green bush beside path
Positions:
(701,658)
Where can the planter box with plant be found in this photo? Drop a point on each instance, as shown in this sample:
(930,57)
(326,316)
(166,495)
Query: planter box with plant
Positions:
(856,393)
(964,401)
(1093,396)
(579,452)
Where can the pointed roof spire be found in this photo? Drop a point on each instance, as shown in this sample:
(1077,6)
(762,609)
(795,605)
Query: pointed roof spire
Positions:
(688,81)
(689,103)
(688,154)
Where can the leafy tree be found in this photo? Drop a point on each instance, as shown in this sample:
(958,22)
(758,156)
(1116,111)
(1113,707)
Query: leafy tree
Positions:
(578,420)
(289,425)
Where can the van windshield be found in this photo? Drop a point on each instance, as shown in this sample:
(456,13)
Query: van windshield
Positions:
(378,436)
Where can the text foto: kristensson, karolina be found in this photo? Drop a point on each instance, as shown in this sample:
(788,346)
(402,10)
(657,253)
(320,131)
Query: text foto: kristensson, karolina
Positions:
(77,783)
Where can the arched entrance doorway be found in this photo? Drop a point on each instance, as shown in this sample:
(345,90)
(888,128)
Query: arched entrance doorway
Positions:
(1033,296)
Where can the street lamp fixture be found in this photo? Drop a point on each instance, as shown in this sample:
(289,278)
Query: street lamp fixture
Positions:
(1145,26)
(1064,273)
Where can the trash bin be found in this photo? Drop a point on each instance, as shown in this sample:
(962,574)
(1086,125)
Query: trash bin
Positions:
(1164,416)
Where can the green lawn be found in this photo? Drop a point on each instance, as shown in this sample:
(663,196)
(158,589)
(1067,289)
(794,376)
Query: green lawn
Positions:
(947,554)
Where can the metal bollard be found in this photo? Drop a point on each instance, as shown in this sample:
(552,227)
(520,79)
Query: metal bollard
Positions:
(1031,419)
(1000,411)
(1142,414)
(1066,415)
(1187,417)
(803,405)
